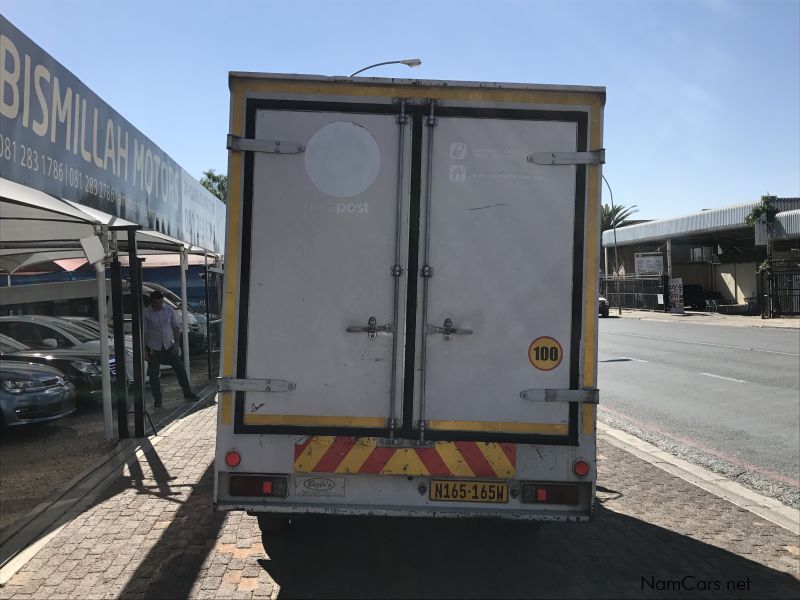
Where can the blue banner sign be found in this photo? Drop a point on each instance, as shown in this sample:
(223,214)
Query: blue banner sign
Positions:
(58,136)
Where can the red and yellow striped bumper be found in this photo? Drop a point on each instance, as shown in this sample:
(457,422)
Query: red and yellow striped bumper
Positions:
(363,455)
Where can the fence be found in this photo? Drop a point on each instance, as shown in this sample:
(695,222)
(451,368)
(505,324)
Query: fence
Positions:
(647,292)
(780,285)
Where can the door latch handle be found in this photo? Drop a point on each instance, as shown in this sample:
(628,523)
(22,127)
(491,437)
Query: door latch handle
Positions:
(447,330)
(371,329)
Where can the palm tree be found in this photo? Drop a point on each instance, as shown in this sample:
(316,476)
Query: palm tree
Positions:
(617,216)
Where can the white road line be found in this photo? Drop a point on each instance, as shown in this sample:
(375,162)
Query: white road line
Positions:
(622,359)
(653,337)
(721,377)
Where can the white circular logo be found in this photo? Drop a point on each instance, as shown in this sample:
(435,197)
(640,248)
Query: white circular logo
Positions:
(342,159)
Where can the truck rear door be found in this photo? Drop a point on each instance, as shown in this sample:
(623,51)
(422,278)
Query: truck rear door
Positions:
(410,265)
(500,258)
(321,281)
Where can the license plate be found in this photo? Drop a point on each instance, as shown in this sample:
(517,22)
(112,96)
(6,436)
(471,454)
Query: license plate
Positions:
(469,491)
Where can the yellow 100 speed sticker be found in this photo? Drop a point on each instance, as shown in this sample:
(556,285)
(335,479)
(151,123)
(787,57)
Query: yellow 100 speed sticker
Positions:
(545,353)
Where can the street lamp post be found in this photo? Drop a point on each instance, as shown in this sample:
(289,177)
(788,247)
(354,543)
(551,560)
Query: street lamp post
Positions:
(410,62)
(616,259)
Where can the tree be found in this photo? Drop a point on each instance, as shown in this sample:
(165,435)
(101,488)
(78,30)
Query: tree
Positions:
(216,183)
(766,207)
(617,216)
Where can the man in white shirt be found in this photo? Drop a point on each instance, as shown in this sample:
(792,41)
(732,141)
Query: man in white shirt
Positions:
(161,330)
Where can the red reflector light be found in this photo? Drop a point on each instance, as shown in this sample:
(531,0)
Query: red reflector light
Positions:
(275,486)
(233,458)
(581,468)
(569,494)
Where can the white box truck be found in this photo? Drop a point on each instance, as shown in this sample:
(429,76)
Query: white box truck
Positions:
(410,319)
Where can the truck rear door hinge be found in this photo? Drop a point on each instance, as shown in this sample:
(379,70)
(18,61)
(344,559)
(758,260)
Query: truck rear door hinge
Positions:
(588,396)
(239,144)
(595,157)
(431,120)
(227,384)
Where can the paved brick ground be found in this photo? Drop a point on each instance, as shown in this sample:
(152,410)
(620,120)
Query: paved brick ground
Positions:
(153,535)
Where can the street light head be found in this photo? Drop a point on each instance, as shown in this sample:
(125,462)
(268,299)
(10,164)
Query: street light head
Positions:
(410,62)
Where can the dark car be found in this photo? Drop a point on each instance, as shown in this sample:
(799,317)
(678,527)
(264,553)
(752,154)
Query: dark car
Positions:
(695,296)
(82,367)
(44,333)
(603,306)
(31,393)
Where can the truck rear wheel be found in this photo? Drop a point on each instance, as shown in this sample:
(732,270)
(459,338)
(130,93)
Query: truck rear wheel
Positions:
(274,524)
(520,529)
(273,527)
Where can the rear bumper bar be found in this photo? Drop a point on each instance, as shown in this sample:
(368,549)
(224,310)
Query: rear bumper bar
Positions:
(396,511)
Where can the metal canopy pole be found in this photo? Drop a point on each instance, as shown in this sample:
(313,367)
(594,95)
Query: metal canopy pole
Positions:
(616,256)
(102,317)
(669,258)
(135,269)
(208,316)
(118,316)
(185,313)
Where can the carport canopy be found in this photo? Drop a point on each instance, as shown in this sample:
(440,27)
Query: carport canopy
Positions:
(36,227)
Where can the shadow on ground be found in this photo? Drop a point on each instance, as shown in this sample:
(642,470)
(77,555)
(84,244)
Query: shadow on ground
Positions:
(615,557)
(171,567)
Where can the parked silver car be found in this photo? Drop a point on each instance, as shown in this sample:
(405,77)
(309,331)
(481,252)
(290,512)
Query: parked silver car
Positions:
(42,332)
(32,393)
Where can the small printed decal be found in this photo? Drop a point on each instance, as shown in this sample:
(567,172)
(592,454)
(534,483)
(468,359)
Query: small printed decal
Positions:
(458,173)
(319,486)
(545,353)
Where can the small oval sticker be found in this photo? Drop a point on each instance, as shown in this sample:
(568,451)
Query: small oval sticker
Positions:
(319,484)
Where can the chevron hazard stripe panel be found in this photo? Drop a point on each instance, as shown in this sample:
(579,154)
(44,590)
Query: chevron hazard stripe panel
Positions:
(363,455)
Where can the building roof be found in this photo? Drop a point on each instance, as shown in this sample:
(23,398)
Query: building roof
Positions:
(787,225)
(727,218)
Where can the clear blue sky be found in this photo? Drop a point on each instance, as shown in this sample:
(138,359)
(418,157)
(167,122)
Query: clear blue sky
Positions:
(703,104)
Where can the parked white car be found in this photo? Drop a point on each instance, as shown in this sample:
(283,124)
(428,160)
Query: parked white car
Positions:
(90,323)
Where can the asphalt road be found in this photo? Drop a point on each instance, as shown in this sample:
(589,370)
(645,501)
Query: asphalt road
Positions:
(727,398)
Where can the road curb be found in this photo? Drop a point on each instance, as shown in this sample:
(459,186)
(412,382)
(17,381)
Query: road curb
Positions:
(706,319)
(714,483)
(39,526)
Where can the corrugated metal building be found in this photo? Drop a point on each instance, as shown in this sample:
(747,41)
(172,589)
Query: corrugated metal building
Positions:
(787,225)
(714,248)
